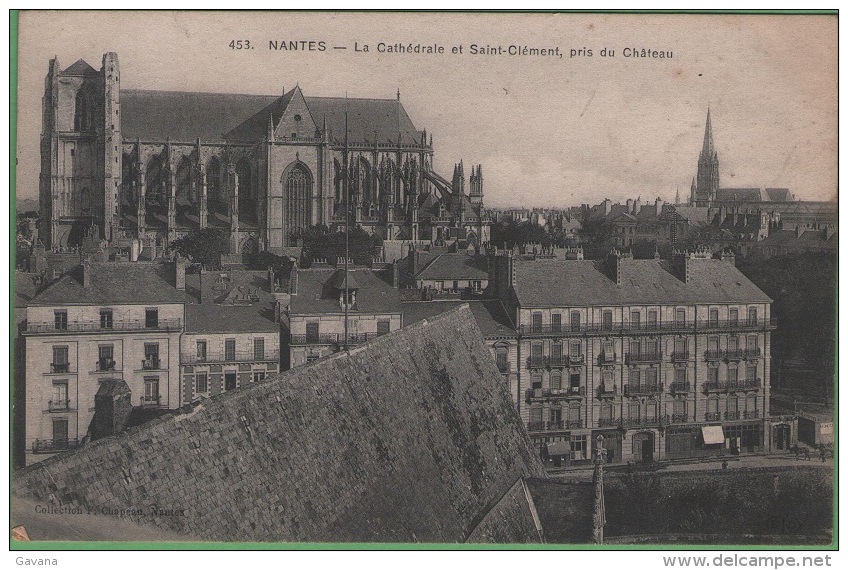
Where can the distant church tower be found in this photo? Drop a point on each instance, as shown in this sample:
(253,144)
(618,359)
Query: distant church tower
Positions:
(705,187)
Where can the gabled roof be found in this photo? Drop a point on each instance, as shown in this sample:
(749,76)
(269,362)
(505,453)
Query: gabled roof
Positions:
(115,284)
(212,318)
(386,117)
(79,67)
(580,283)
(779,194)
(449,266)
(740,195)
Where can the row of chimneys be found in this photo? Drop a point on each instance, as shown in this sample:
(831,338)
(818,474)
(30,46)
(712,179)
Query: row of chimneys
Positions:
(634,206)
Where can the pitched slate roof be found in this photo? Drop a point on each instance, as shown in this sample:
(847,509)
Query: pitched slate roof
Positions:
(740,195)
(546,283)
(115,284)
(213,318)
(489,315)
(779,194)
(412,437)
(186,116)
(455,266)
(316,295)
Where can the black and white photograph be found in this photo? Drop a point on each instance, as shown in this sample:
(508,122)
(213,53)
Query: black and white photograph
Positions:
(404,279)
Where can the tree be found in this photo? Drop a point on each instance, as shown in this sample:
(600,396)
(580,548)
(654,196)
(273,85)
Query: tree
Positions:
(204,246)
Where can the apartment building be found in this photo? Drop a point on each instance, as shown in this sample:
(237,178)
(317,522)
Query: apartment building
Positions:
(330,309)
(232,338)
(665,359)
(100,321)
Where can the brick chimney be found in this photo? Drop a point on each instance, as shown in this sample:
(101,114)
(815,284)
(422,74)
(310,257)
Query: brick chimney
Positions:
(614,260)
(728,256)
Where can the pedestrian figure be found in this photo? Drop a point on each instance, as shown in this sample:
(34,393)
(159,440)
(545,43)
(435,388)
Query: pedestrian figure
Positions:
(821,453)
(797,451)
(724,464)
(806,453)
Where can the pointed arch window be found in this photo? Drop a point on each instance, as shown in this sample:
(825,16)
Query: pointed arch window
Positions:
(297,188)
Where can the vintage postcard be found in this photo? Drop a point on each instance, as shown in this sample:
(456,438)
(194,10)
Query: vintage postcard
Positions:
(425,278)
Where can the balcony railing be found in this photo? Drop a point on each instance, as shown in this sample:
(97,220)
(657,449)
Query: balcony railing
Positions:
(555,425)
(712,355)
(641,357)
(94,326)
(712,416)
(724,386)
(58,405)
(753,353)
(683,386)
(734,354)
(331,338)
(151,363)
(237,356)
(566,360)
(638,389)
(654,327)
(629,422)
(732,415)
(607,390)
(609,422)
(536,362)
(751,415)
(150,401)
(680,355)
(555,393)
(60,368)
(53,445)
(679,418)
(105,365)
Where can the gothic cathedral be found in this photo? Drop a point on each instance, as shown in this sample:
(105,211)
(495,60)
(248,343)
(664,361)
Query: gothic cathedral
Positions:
(140,168)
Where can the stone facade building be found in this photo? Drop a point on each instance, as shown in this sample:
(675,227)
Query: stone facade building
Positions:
(653,355)
(140,168)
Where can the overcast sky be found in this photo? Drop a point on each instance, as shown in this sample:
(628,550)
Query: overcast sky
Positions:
(549,131)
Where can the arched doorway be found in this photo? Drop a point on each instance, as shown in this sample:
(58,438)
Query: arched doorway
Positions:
(643,446)
(782,437)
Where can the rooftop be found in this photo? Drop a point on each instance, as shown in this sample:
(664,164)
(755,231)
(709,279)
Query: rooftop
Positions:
(489,315)
(412,437)
(317,292)
(455,266)
(545,283)
(112,283)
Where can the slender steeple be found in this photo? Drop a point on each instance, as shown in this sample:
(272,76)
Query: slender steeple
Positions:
(707,184)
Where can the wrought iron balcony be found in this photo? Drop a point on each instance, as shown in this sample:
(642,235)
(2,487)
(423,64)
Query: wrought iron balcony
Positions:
(60,367)
(94,325)
(607,390)
(641,389)
(732,415)
(58,405)
(733,354)
(726,386)
(331,338)
(711,355)
(631,422)
(753,353)
(751,415)
(150,401)
(679,418)
(535,362)
(53,445)
(680,355)
(642,357)
(151,363)
(105,365)
(712,416)
(532,394)
(683,386)
(233,356)
(609,422)
(554,425)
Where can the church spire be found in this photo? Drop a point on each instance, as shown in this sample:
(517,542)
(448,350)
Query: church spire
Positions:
(708,149)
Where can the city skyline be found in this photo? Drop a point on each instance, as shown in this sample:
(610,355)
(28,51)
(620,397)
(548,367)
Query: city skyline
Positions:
(556,132)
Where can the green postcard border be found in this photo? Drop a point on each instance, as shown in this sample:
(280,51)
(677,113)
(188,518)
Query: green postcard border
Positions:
(17,546)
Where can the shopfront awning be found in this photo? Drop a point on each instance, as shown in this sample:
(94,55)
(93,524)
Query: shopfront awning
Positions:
(559,448)
(712,435)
